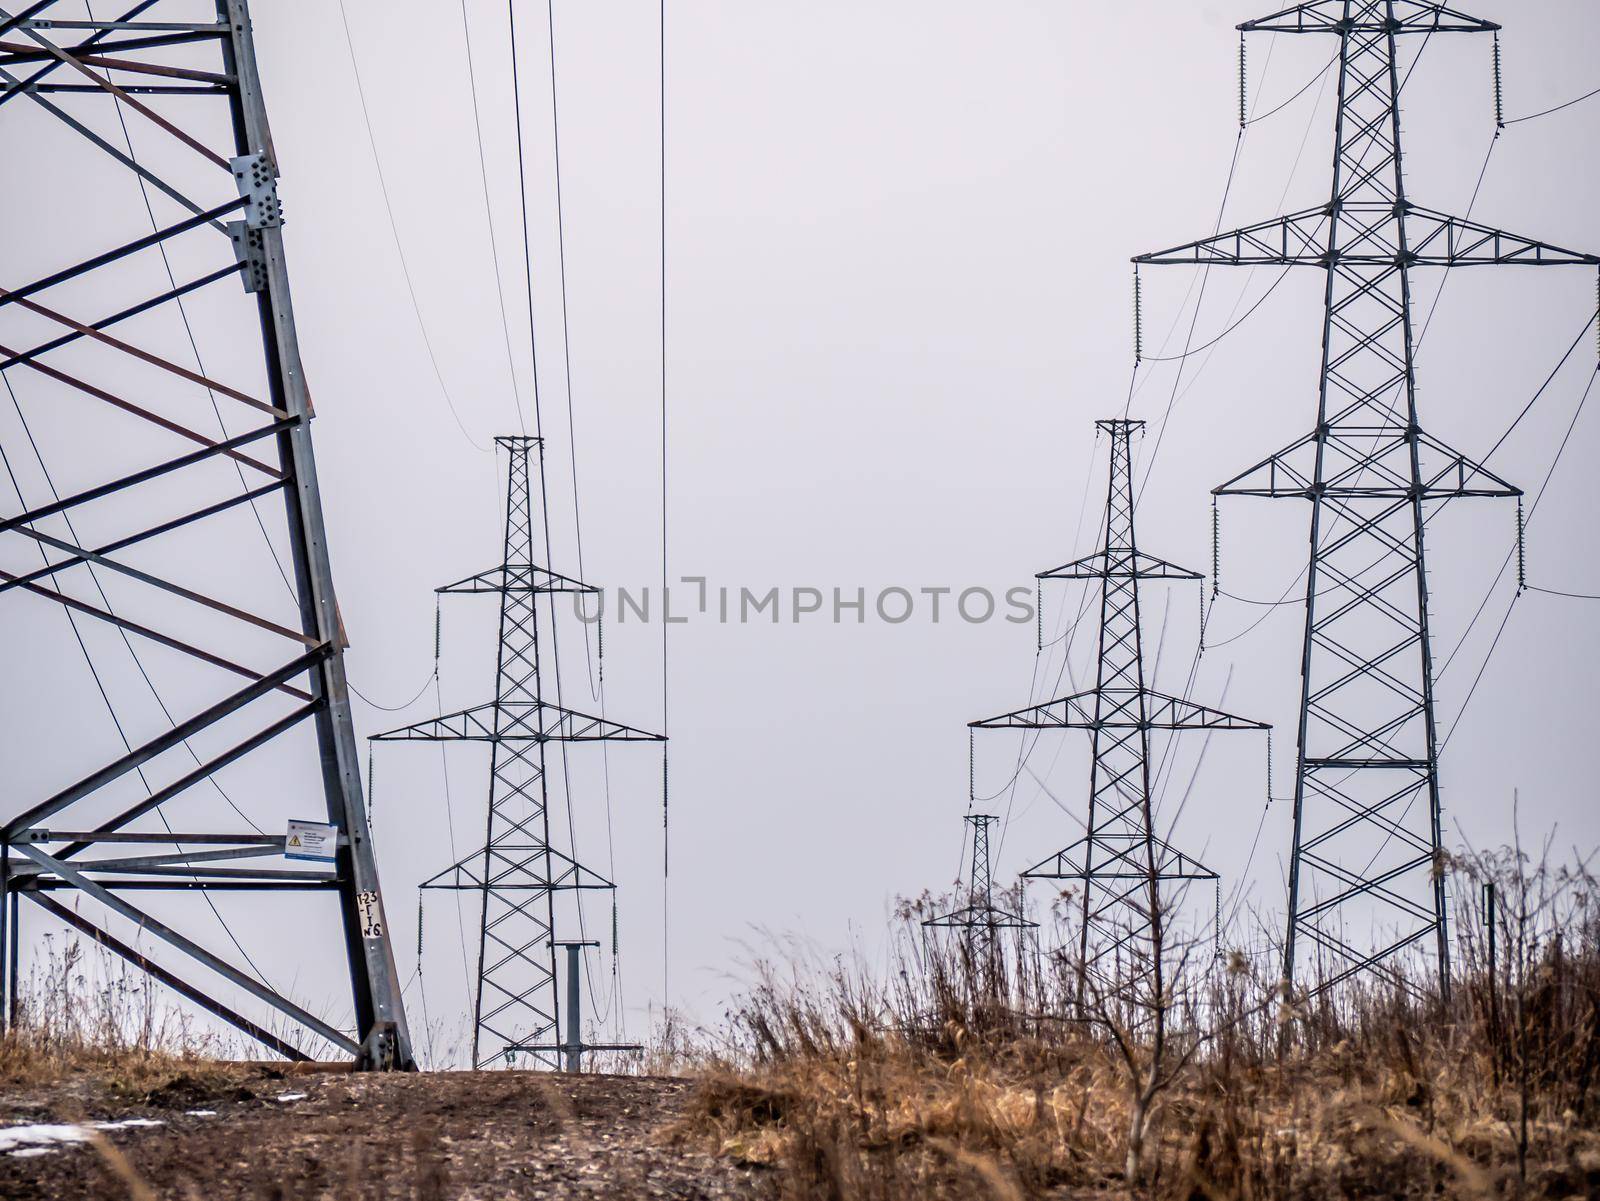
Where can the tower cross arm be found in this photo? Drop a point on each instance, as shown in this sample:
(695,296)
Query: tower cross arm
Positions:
(507,866)
(517,721)
(1118,709)
(1120,856)
(1371,462)
(1299,239)
(1119,565)
(1437,239)
(1335,16)
(1367,236)
(979,917)
(517,577)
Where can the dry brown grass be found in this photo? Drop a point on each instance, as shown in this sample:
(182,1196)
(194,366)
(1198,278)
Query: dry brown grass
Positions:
(107,1028)
(932,1083)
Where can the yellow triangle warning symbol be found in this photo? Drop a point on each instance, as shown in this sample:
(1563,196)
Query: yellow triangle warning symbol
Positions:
(295,841)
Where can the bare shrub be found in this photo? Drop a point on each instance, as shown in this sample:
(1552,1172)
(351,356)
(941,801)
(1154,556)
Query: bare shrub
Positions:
(941,1076)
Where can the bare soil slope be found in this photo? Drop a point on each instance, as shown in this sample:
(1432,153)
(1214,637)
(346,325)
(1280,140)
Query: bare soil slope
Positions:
(263,1135)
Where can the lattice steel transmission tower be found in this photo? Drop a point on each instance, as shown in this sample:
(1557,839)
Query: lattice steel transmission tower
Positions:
(518,874)
(1366,803)
(980,920)
(1120,864)
(152,527)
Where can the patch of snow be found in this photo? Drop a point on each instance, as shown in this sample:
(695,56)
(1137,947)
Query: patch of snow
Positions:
(199,1113)
(42,1139)
(286,1097)
(31,1152)
(12,1137)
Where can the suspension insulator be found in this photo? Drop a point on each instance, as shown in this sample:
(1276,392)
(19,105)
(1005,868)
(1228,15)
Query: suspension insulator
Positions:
(1269,765)
(1522,549)
(1216,549)
(1244,113)
(1138,319)
(1499,89)
(1216,927)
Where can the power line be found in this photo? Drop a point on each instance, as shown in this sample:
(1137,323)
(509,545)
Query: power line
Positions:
(666,861)
(1556,109)
(1558,592)
(1332,62)
(488,210)
(394,230)
(596,689)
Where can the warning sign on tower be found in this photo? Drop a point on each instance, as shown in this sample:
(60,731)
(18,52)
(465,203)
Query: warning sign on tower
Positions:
(311,840)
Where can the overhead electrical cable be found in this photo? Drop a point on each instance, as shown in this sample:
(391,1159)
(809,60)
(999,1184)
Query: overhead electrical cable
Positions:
(596,687)
(94,671)
(133,161)
(666,895)
(1556,109)
(488,212)
(1303,90)
(538,427)
(1250,312)
(399,246)
(1206,270)
(1505,619)
(188,328)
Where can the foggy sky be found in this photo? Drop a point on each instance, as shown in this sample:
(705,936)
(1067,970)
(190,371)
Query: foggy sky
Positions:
(898,297)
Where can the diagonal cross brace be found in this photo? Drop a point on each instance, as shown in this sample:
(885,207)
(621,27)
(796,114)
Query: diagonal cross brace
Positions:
(193,950)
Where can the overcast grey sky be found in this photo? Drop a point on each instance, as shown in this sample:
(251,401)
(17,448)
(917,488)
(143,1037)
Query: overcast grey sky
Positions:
(899,295)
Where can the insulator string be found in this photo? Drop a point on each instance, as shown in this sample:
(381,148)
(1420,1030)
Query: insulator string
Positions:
(1522,549)
(1244,111)
(972,770)
(1269,765)
(1138,320)
(1216,922)
(1216,550)
(1499,90)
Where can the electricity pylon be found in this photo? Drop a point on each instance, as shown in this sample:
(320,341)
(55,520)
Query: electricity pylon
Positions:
(1120,863)
(980,919)
(517,872)
(1366,802)
(151,482)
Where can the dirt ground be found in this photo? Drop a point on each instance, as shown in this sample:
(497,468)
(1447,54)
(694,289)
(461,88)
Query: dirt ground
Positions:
(267,1136)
